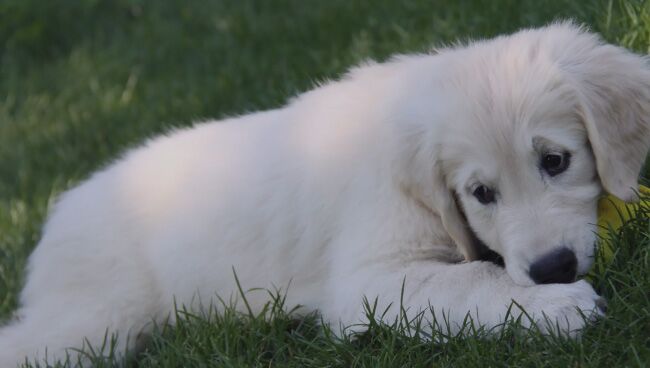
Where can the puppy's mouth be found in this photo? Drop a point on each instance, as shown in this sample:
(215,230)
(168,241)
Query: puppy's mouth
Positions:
(483,251)
(487,254)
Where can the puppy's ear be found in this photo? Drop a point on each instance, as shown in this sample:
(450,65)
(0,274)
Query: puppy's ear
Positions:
(452,217)
(429,188)
(613,87)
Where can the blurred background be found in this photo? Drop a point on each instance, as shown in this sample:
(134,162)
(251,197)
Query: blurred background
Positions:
(81,81)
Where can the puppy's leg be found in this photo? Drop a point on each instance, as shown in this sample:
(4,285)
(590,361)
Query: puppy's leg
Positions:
(76,298)
(480,289)
(51,333)
(49,330)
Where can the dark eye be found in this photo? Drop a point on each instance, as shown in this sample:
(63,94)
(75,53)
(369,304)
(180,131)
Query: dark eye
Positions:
(484,194)
(555,163)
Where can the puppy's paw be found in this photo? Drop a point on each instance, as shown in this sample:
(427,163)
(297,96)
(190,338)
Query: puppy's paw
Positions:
(564,308)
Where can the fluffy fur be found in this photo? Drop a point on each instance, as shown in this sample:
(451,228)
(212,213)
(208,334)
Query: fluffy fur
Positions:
(351,189)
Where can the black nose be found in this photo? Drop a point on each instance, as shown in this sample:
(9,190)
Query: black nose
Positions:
(556,267)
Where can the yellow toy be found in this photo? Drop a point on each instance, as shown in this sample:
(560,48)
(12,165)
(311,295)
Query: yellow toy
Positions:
(612,212)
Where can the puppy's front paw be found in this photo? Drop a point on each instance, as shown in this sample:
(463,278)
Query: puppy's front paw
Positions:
(564,308)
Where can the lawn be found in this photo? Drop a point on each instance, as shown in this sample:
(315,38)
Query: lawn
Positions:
(81,81)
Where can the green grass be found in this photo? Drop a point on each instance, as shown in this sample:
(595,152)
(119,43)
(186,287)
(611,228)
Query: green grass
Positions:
(80,81)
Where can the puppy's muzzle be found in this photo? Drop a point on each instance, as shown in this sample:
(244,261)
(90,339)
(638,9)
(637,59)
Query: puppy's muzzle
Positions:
(556,267)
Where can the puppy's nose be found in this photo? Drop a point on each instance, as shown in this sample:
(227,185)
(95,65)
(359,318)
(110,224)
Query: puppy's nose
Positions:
(556,267)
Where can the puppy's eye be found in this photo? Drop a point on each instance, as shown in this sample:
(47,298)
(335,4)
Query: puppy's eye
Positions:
(555,163)
(484,194)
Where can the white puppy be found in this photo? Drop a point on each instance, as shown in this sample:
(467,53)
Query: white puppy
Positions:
(399,171)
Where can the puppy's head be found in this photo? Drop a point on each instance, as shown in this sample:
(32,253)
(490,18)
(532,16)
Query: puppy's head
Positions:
(540,123)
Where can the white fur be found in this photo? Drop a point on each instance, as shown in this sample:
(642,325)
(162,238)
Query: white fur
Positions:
(349,190)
